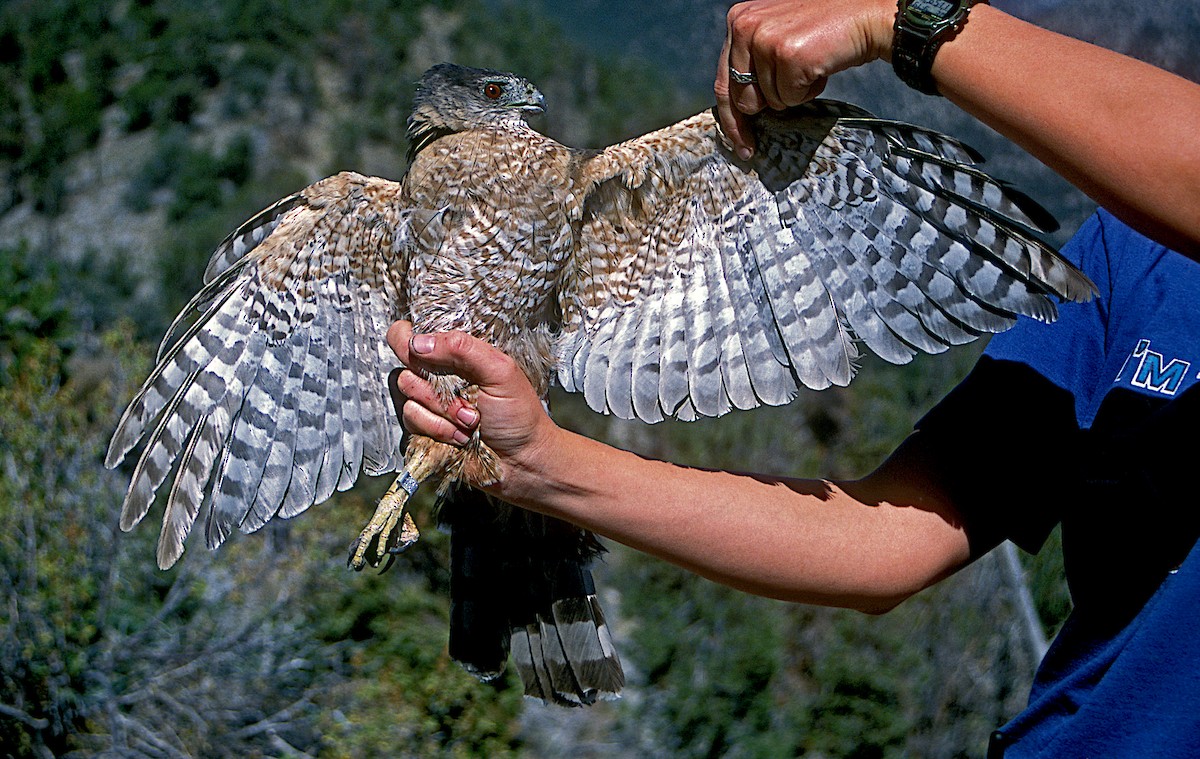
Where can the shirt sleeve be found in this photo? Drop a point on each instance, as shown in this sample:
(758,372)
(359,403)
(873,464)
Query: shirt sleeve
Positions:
(1002,444)
(1005,442)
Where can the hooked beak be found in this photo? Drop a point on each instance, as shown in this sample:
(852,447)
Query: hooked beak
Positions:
(535,102)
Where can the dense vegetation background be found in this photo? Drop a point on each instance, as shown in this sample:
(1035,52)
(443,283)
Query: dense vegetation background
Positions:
(133,136)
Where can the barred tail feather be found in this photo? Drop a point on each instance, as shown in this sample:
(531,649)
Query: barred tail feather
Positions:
(590,668)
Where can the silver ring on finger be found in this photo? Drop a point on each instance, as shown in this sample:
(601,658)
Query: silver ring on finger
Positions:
(742,77)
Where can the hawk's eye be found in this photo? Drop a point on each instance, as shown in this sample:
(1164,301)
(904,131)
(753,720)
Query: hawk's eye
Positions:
(493,91)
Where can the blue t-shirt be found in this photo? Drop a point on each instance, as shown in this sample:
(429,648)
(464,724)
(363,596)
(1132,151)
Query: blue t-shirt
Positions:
(1087,420)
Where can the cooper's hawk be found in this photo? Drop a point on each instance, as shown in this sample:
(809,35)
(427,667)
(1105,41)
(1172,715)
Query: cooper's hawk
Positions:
(662,277)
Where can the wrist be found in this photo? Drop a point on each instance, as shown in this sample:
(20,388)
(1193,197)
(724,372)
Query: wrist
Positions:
(881,25)
(529,475)
(920,29)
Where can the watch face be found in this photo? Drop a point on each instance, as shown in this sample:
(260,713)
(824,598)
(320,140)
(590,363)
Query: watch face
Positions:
(930,12)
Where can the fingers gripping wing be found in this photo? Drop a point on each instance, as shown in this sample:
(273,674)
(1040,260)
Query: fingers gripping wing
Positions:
(704,284)
(275,395)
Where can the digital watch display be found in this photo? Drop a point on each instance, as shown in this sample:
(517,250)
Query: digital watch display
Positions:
(931,12)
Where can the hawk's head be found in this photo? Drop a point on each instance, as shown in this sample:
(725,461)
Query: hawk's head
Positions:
(452,98)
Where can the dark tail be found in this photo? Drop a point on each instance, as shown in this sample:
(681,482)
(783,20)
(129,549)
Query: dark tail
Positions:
(519,581)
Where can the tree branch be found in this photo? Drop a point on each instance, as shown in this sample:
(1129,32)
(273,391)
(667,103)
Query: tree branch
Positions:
(37,723)
(1033,625)
(279,744)
(279,718)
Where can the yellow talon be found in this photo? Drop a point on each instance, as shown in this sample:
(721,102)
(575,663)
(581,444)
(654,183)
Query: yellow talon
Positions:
(425,459)
(388,513)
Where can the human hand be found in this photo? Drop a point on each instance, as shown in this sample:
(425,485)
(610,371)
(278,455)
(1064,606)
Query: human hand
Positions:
(792,47)
(509,414)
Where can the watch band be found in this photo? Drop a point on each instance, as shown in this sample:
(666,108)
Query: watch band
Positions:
(919,35)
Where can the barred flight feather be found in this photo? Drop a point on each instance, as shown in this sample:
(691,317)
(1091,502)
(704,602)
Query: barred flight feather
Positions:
(618,382)
(645,358)
(242,464)
(736,382)
(187,493)
(244,370)
(277,469)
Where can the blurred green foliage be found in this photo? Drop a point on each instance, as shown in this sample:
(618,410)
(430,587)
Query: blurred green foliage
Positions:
(57,76)
(56,534)
(31,308)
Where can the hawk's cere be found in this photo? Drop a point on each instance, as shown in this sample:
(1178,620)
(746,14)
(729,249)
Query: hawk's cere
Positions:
(662,277)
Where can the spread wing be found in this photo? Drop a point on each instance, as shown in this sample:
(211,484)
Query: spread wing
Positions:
(703,283)
(275,395)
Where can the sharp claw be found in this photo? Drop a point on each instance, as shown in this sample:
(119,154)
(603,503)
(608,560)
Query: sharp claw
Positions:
(399,540)
(384,536)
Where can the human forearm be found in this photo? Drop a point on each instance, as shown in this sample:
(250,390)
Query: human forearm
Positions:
(1121,130)
(811,541)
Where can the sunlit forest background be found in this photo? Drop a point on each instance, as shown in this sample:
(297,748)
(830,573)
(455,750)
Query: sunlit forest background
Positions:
(135,134)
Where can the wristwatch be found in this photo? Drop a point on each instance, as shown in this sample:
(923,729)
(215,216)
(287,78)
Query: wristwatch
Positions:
(921,28)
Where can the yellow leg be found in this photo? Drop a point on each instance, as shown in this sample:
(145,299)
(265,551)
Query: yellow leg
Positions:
(390,511)
(424,459)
